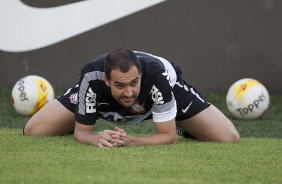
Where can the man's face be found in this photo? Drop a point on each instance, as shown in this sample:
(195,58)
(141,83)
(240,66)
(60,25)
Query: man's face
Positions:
(125,87)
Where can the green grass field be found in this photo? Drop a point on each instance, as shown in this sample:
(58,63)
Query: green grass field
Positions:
(256,159)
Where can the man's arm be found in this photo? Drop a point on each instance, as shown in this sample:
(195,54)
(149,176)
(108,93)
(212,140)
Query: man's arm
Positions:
(166,134)
(108,138)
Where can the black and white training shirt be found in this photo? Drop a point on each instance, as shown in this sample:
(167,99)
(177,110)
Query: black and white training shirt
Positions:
(155,100)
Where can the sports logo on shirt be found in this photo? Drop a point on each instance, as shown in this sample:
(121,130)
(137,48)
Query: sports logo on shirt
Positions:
(138,108)
(167,76)
(73,98)
(90,101)
(157,96)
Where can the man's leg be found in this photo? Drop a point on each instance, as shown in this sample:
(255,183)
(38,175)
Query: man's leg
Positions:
(210,125)
(51,120)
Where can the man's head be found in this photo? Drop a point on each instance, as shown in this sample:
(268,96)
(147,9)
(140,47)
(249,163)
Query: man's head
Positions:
(123,76)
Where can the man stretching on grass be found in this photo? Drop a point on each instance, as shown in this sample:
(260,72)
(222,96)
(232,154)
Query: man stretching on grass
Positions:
(131,86)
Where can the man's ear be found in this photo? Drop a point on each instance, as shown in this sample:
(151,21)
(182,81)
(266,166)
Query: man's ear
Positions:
(107,81)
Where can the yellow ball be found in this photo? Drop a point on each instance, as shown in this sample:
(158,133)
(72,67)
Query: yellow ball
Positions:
(247,99)
(31,93)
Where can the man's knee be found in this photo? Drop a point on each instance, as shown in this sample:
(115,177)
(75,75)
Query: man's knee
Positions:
(30,130)
(235,137)
(224,136)
(27,130)
(231,137)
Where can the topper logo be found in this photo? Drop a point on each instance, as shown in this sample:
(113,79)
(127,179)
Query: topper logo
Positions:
(25,28)
(21,88)
(253,106)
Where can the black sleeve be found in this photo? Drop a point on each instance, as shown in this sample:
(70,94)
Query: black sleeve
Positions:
(161,91)
(86,112)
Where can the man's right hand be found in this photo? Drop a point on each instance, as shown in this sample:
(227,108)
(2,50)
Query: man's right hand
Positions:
(120,138)
(105,139)
(110,138)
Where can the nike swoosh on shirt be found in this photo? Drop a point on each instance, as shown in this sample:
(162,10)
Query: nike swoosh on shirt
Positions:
(186,109)
(25,28)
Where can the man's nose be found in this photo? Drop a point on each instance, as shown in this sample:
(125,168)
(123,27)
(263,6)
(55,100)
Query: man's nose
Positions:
(128,92)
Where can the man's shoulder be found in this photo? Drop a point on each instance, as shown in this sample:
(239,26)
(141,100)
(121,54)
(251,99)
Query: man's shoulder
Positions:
(97,64)
(151,65)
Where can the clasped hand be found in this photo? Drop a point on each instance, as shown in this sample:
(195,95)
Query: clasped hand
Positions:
(112,138)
